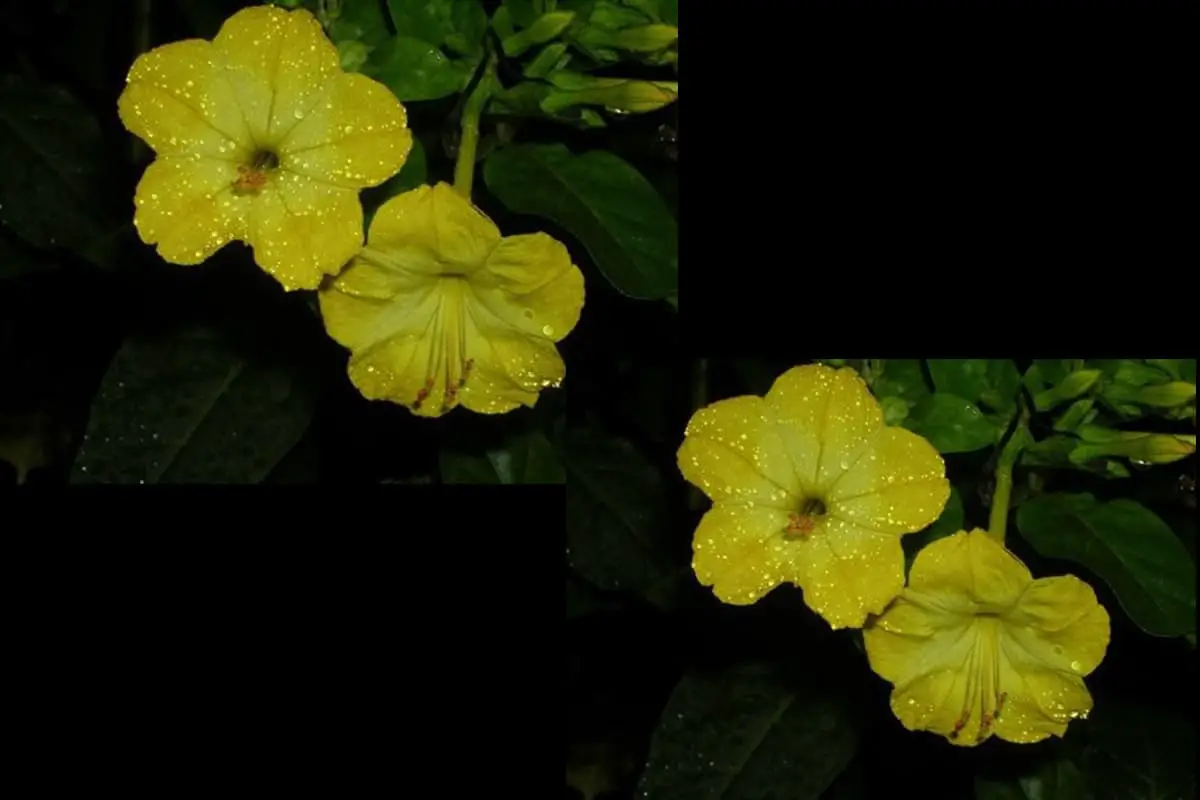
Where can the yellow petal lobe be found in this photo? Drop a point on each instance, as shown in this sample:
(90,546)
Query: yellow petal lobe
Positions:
(186,207)
(738,552)
(302,230)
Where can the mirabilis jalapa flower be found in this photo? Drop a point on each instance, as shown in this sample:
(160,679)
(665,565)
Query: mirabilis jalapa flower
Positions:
(260,137)
(809,487)
(976,647)
(440,310)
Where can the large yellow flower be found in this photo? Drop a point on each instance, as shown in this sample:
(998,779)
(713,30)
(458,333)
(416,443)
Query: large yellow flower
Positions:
(260,137)
(975,646)
(809,487)
(439,310)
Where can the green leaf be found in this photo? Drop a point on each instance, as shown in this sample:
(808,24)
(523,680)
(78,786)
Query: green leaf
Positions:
(359,20)
(1137,752)
(414,173)
(951,424)
(741,734)
(522,11)
(949,523)
(614,211)
(526,458)
(429,20)
(992,381)
(468,25)
(615,514)
(188,409)
(1127,546)
(51,187)
(903,378)
(665,11)
(415,70)
(1054,779)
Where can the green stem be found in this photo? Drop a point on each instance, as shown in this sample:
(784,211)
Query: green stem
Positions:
(1002,496)
(464,167)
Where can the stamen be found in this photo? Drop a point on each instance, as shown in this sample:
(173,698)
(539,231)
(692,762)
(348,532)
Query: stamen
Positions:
(799,525)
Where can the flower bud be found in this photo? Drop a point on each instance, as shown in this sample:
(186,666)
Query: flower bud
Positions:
(1072,386)
(544,28)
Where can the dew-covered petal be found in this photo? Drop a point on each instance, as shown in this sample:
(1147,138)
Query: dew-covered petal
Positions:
(739,551)
(355,134)
(898,485)
(531,284)
(1059,622)
(969,571)
(909,640)
(1038,703)
(732,451)
(187,207)
(508,367)
(851,572)
(827,418)
(303,230)
(177,100)
(439,222)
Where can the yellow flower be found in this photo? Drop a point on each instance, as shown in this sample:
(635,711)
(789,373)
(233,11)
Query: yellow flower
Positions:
(975,646)
(260,137)
(439,310)
(809,487)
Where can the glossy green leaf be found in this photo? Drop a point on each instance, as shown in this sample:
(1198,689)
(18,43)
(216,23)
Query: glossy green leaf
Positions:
(415,69)
(616,513)
(1127,546)
(522,12)
(1138,752)
(951,424)
(949,523)
(743,734)
(614,211)
(428,20)
(994,382)
(361,21)
(1053,779)
(52,183)
(187,408)
(903,378)
(525,458)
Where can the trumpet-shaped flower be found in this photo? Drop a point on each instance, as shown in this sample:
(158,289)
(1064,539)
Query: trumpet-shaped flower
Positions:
(439,310)
(976,647)
(809,487)
(260,137)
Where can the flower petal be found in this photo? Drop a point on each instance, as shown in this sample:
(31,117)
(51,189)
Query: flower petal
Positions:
(1060,623)
(739,551)
(302,230)
(732,451)
(278,63)
(851,572)
(439,223)
(827,417)
(911,639)
(970,571)
(178,100)
(187,207)
(897,486)
(531,284)
(1038,703)
(354,135)
(508,367)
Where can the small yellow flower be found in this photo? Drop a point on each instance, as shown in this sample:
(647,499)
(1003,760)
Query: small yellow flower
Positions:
(976,647)
(260,137)
(809,487)
(439,310)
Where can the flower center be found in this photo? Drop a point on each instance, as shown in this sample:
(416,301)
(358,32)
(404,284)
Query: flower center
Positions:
(253,176)
(447,364)
(803,521)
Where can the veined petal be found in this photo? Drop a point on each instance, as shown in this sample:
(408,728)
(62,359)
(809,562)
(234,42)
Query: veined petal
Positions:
(508,366)
(303,230)
(1059,622)
(177,100)
(827,417)
(911,639)
(851,572)
(740,552)
(969,570)
(187,207)
(898,485)
(277,62)
(1038,704)
(354,135)
(530,283)
(732,451)
(441,223)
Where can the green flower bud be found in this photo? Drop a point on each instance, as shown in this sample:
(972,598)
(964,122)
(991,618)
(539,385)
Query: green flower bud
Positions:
(544,28)
(1140,448)
(1166,395)
(1072,386)
(646,38)
(616,94)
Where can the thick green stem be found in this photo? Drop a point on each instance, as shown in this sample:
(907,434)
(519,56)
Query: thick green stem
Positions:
(1002,496)
(464,167)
